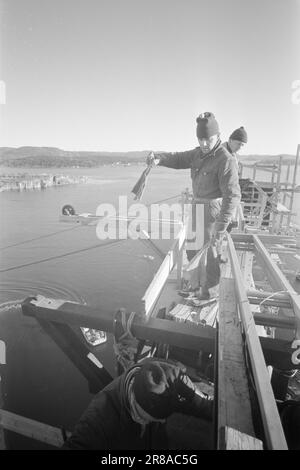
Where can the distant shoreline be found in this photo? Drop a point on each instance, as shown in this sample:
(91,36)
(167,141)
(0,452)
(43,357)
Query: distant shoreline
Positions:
(51,157)
(13,164)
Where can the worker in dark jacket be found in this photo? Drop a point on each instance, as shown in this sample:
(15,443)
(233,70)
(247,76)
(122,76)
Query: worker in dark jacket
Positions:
(215,185)
(131,412)
(236,141)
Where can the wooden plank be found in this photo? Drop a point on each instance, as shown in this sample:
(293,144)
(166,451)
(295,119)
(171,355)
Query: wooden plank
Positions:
(246,262)
(32,429)
(236,440)
(274,434)
(276,276)
(197,315)
(152,293)
(265,238)
(209,314)
(234,406)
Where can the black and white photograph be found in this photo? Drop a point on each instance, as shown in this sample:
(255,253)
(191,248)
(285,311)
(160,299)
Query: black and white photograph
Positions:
(150,228)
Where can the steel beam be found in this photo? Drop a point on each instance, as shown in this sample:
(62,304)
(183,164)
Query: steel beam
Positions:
(185,335)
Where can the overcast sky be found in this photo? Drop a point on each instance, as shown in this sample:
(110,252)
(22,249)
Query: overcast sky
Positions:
(121,75)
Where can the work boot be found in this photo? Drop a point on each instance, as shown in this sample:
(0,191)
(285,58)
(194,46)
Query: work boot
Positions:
(203,294)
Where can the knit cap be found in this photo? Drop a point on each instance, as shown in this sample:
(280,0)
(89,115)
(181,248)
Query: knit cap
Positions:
(156,387)
(207,126)
(240,134)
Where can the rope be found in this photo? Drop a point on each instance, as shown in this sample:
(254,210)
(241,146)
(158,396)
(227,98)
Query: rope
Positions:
(127,324)
(39,238)
(125,345)
(12,268)
(44,260)
(163,200)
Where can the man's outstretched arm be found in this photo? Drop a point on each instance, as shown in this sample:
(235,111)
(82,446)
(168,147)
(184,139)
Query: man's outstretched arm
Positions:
(175,160)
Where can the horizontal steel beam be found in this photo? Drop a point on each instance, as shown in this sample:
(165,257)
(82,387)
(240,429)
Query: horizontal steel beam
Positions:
(185,335)
(275,321)
(272,299)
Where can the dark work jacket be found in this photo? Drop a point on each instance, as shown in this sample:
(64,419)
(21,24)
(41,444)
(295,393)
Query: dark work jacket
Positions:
(107,425)
(214,176)
(234,154)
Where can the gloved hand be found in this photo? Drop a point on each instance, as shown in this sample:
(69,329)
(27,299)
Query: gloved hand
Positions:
(184,388)
(185,397)
(179,384)
(217,238)
(162,388)
(151,159)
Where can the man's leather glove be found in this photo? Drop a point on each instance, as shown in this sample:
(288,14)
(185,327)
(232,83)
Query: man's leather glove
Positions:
(187,399)
(162,388)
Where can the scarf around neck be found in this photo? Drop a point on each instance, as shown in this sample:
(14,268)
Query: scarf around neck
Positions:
(136,412)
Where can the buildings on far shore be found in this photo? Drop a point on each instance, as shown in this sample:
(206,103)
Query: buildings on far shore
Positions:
(24,182)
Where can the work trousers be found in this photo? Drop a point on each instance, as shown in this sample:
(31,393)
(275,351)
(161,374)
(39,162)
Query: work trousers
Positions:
(202,220)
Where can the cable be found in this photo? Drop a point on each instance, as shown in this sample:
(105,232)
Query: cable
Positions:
(112,242)
(272,295)
(69,229)
(163,200)
(39,238)
(12,268)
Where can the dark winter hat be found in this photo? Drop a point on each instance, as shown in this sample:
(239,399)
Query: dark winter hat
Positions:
(239,134)
(207,126)
(152,391)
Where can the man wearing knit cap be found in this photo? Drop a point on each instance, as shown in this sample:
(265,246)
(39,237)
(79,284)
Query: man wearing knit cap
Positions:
(236,141)
(215,183)
(131,412)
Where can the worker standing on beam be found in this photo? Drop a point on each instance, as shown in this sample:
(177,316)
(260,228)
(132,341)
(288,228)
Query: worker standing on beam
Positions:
(216,190)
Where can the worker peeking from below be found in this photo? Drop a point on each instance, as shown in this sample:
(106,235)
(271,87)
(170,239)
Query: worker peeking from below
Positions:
(216,191)
(131,412)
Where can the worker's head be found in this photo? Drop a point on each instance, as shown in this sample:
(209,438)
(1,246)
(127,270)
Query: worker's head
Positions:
(207,131)
(157,387)
(237,139)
